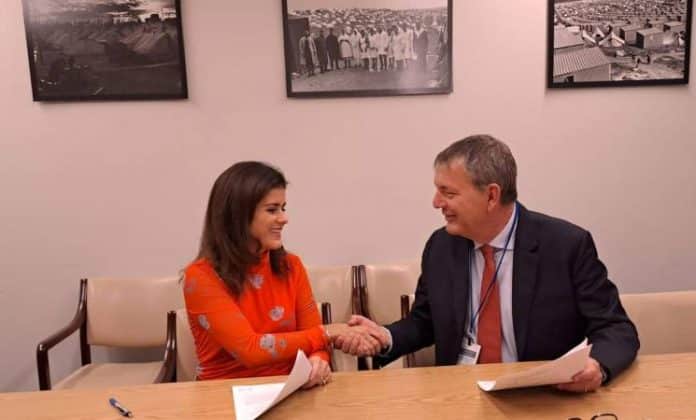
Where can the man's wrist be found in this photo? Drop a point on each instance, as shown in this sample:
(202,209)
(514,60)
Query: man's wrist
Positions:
(386,349)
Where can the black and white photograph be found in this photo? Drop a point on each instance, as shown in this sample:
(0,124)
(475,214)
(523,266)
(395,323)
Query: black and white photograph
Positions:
(618,42)
(367,47)
(105,49)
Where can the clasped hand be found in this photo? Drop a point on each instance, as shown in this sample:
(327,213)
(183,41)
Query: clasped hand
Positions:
(359,337)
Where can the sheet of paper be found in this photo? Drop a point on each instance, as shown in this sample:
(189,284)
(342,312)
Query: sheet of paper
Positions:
(250,401)
(554,372)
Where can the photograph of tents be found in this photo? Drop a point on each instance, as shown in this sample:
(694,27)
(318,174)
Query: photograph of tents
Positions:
(105,49)
(618,42)
(367,47)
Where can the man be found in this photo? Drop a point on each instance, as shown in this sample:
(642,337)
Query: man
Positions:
(420,45)
(320,43)
(382,45)
(308,53)
(332,49)
(519,284)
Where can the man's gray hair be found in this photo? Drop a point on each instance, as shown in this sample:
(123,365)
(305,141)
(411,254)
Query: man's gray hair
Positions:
(487,160)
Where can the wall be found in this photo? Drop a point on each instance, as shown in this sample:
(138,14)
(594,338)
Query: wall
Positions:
(120,188)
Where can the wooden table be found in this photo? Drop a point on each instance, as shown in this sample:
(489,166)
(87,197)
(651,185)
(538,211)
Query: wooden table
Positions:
(655,387)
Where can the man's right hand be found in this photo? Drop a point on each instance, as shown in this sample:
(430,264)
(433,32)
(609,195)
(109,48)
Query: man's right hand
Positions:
(365,338)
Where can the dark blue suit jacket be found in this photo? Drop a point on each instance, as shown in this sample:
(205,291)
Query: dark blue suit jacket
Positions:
(560,295)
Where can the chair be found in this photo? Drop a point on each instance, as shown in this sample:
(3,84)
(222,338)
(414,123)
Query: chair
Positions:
(123,313)
(381,287)
(336,289)
(666,321)
(186,357)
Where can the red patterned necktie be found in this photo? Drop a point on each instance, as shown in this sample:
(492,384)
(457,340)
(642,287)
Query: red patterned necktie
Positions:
(489,326)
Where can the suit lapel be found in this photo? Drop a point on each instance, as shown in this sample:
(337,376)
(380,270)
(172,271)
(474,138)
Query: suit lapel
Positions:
(459,278)
(524,275)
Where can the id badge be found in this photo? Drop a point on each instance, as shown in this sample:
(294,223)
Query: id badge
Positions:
(470,354)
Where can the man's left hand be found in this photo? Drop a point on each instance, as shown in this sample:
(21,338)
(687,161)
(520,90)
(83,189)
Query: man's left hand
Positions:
(589,379)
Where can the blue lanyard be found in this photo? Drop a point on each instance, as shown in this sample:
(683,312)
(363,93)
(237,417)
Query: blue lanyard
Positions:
(483,301)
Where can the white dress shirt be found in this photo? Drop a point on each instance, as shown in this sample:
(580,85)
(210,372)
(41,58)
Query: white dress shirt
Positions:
(504,279)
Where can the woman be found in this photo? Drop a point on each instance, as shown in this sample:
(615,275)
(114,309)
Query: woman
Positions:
(345,47)
(390,50)
(249,302)
(364,49)
(399,47)
(373,49)
(355,45)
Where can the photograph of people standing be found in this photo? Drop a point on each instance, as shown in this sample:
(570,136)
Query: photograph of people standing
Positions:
(373,47)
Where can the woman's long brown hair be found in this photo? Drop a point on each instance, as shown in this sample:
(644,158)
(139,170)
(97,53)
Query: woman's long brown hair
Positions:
(226,241)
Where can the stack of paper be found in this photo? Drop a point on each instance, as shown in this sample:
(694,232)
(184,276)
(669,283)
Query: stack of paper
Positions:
(554,372)
(250,401)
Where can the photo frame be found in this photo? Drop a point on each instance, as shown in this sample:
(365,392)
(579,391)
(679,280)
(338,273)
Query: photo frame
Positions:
(617,43)
(81,50)
(352,48)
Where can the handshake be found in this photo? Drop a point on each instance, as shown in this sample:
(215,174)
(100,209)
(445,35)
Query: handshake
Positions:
(359,337)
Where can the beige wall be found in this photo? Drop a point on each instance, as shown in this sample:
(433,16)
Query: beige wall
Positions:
(120,188)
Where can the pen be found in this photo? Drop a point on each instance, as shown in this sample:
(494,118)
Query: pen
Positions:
(121,409)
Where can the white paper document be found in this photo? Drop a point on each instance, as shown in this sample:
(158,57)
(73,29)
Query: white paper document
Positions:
(250,401)
(554,372)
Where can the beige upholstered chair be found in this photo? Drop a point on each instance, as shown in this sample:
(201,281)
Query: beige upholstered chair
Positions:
(337,287)
(382,286)
(186,358)
(666,321)
(119,313)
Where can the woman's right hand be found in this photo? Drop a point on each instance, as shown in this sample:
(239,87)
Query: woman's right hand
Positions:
(362,342)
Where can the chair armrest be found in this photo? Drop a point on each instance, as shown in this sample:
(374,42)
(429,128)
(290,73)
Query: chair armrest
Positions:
(44,346)
(325,313)
(362,291)
(168,371)
(405,310)
(355,299)
(361,307)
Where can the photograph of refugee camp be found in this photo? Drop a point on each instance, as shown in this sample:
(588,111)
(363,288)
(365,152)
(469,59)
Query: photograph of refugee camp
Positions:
(105,49)
(367,47)
(618,42)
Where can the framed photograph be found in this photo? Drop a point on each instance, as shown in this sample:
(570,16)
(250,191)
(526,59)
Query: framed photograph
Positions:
(105,49)
(367,47)
(618,42)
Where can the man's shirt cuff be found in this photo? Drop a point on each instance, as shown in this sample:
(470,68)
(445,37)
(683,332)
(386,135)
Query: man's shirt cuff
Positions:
(386,350)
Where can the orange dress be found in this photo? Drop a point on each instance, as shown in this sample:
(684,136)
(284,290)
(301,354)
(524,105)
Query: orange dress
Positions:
(257,333)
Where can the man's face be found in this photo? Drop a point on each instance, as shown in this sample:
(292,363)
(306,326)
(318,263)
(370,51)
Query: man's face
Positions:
(464,206)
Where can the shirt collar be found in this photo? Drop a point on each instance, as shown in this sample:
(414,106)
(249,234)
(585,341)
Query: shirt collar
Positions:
(499,241)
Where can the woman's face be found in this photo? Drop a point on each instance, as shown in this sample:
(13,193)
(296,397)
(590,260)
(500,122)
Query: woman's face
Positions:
(269,220)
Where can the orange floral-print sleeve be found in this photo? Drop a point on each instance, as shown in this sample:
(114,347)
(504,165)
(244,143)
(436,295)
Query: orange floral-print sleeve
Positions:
(215,310)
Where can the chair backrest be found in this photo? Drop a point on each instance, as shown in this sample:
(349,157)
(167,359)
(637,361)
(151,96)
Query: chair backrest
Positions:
(131,312)
(666,321)
(186,358)
(385,283)
(335,286)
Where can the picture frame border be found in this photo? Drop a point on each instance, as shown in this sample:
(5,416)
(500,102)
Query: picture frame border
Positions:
(287,49)
(36,96)
(550,84)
